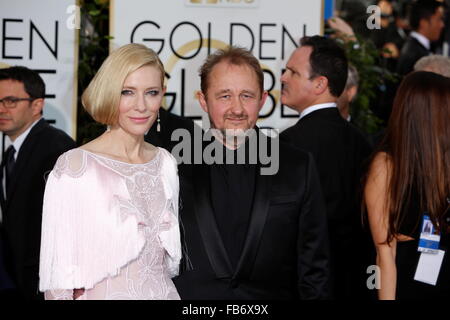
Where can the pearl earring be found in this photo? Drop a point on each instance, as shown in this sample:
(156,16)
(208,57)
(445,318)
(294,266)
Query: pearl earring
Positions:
(158,125)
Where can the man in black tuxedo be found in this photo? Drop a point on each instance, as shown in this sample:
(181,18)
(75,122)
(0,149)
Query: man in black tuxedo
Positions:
(250,233)
(34,148)
(315,77)
(426,21)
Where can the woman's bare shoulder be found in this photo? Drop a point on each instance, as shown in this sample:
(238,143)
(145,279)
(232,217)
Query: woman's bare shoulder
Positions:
(380,163)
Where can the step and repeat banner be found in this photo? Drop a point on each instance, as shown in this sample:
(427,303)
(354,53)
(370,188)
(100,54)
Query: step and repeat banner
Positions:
(184,32)
(42,35)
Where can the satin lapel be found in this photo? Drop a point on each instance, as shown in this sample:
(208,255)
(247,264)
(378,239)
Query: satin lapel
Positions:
(212,240)
(24,156)
(259,213)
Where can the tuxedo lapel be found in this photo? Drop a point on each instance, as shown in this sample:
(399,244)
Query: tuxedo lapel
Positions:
(260,209)
(24,157)
(212,240)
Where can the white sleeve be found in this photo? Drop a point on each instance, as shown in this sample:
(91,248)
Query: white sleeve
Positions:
(84,236)
(170,234)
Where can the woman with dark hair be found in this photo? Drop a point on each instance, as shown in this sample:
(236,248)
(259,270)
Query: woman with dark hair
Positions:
(408,182)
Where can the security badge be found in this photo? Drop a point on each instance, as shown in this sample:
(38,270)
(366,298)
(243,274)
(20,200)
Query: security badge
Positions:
(431,257)
(429,241)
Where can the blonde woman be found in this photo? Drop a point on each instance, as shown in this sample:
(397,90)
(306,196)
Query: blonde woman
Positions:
(110,215)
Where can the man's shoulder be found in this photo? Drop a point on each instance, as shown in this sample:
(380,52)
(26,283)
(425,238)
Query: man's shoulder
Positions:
(54,138)
(314,119)
(292,131)
(308,128)
(51,131)
(412,43)
(313,135)
(294,165)
(288,148)
(291,154)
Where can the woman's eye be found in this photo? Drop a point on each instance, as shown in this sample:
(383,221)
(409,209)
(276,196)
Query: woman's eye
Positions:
(127,92)
(153,92)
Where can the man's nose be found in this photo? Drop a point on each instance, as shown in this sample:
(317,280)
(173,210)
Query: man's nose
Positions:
(283,76)
(237,106)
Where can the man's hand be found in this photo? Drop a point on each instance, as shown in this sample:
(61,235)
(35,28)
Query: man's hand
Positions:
(342,28)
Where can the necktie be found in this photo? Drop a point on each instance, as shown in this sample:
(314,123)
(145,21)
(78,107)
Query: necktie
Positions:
(9,165)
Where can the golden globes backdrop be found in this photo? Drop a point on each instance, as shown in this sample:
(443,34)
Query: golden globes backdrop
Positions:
(184,32)
(42,35)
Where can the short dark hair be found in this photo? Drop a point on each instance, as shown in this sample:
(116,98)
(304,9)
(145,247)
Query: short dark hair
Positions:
(327,59)
(32,81)
(422,9)
(233,55)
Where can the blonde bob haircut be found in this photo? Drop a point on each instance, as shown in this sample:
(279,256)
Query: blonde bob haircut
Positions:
(101,98)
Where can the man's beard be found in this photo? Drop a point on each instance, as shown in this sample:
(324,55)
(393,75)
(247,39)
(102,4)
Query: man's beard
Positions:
(231,138)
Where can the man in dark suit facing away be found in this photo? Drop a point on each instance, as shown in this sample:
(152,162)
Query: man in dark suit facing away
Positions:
(34,148)
(250,233)
(315,77)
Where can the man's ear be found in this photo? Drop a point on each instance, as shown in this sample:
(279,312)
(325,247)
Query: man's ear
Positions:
(264,96)
(202,100)
(37,105)
(351,92)
(320,85)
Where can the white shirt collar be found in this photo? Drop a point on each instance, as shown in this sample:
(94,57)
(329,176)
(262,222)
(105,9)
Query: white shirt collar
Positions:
(421,38)
(317,107)
(20,139)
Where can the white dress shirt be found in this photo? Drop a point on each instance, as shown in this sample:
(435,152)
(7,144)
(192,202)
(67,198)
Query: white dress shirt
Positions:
(317,107)
(421,38)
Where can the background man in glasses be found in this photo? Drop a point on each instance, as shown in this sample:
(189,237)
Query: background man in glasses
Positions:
(34,146)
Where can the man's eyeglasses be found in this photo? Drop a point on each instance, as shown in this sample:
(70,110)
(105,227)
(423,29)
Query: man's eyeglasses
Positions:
(11,102)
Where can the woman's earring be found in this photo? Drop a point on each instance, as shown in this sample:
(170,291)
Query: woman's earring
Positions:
(158,125)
